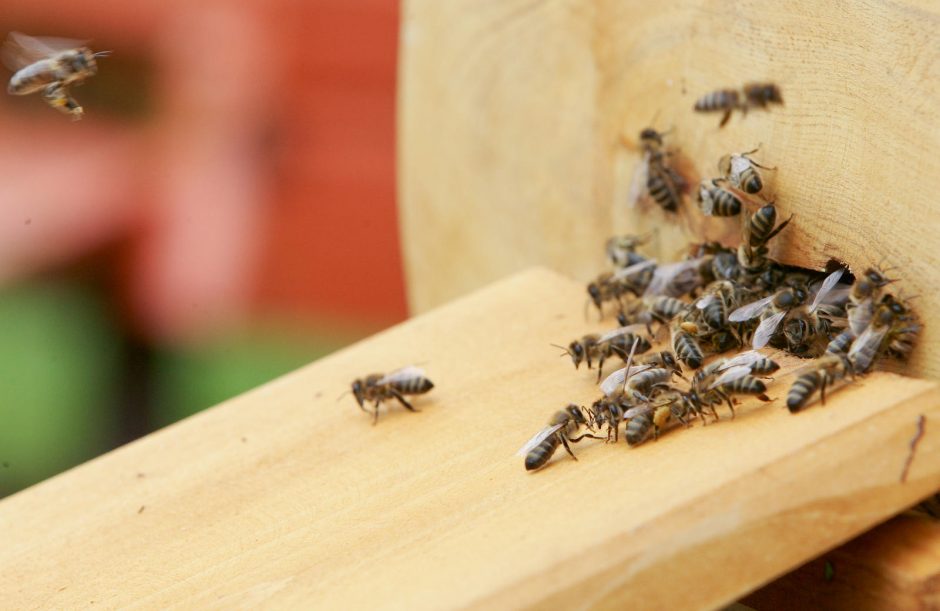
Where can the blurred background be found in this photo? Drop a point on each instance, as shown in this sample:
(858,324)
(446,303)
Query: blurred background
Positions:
(224,214)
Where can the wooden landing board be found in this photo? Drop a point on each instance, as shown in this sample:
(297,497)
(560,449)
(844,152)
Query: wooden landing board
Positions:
(284,497)
(512,115)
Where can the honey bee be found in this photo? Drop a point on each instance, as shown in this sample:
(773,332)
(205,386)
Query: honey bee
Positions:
(741,171)
(649,420)
(819,375)
(761,95)
(685,345)
(621,250)
(560,430)
(890,314)
(378,388)
(715,201)
(725,100)
(774,308)
(840,344)
(759,227)
(676,279)
(612,286)
(654,176)
(865,293)
(710,390)
(714,305)
(593,347)
(50,65)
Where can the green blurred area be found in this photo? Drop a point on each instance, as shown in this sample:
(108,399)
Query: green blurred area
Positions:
(62,397)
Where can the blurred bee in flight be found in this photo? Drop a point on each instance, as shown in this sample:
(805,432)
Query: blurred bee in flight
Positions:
(378,388)
(49,65)
(756,95)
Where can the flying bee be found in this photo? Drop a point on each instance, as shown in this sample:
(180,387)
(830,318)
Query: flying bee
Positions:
(761,95)
(715,201)
(602,347)
(560,431)
(822,373)
(378,388)
(774,308)
(741,171)
(50,65)
(685,345)
(725,100)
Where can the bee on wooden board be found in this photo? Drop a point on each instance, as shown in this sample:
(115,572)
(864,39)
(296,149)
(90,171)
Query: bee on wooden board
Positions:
(654,176)
(741,171)
(599,348)
(560,431)
(377,387)
(716,201)
(50,65)
(819,375)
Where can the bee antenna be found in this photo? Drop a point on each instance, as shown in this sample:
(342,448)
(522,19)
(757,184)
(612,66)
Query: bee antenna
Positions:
(343,395)
(566,351)
(104,53)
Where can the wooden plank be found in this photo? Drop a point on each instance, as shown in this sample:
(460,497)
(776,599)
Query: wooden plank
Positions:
(283,496)
(893,566)
(511,116)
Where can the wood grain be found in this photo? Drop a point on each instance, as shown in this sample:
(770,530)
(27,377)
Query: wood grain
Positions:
(512,114)
(285,497)
(893,566)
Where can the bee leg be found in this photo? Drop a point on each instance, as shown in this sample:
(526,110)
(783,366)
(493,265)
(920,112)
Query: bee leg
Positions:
(822,389)
(600,368)
(567,447)
(375,417)
(401,400)
(724,119)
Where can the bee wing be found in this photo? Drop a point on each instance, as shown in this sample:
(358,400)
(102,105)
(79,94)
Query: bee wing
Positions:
(539,438)
(750,310)
(606,337)
(766,329)
(632,269)
(705,301)
(666,274)
(743,359)
(739,165)
(638,182)
(402,375)
(860,316)
(614,382)
(707,202)
(633,412)
(731,375)
(20,50)
(828,284)
(865,347)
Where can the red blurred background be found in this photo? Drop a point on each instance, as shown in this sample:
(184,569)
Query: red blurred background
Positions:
(234,173)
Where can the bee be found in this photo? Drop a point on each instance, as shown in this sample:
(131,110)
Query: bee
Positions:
(560,430)
(725,265)
(818,376)
(759,227)
(648,420)
(621,250)
(50,65)
(654,176)
(715,201)
(761,95)
(890,314)
(664,359)
(593,347)
(675,279)
(612,286)
(774,308)
(664,308)
(757,365)
(719,297)
(685,345)
(378,388)
(865,293)
(741,171)
(709,390)
(840,344)
(725,100)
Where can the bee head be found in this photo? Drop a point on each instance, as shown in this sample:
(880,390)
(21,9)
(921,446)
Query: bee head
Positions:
(622,319)
(576,350)
(576,413)
(358,391)
(651,136)
(669,361)
(594,290)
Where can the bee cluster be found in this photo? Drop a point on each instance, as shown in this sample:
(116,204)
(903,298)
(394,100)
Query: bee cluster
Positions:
(717,300)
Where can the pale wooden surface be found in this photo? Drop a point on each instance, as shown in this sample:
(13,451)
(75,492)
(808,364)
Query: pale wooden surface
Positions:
(284,497)
(893,566)
(511,113)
